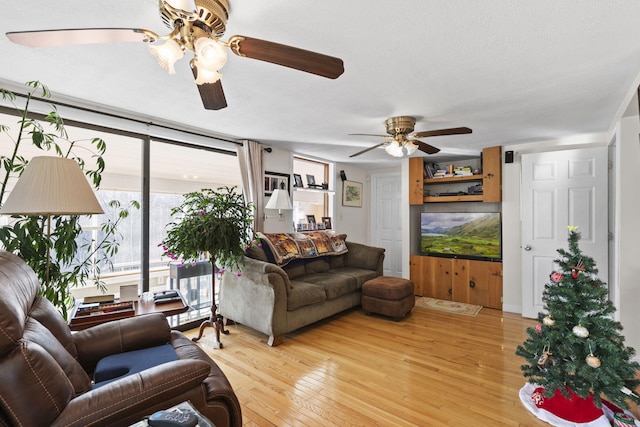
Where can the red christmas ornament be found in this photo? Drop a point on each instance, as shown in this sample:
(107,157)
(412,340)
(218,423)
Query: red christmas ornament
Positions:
(556,277)
(539,328)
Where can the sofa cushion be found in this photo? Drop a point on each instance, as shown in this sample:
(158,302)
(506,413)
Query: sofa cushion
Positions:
(48,315)
(37,333)
(336,262)
(334,285)
(361,275)
(33,387)
(120,365)
(295,269)
(320,265)
(258,252)
(302,294)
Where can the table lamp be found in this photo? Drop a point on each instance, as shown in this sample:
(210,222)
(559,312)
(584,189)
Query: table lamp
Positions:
(279,200)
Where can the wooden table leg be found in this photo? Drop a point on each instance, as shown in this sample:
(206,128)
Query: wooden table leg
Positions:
(216,320)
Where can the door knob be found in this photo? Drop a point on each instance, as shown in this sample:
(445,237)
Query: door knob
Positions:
(527,248)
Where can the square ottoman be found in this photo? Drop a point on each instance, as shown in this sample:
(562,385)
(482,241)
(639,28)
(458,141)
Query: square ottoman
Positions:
(390,296)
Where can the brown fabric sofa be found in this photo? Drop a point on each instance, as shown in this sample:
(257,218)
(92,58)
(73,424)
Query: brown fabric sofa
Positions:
(45,370)
(276,299)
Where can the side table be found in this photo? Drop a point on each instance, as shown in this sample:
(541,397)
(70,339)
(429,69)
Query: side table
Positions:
(116,310)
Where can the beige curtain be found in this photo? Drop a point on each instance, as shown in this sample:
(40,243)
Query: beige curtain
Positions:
(252,170)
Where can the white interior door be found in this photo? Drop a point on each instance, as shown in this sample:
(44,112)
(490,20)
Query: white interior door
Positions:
(386,227)
(559,189)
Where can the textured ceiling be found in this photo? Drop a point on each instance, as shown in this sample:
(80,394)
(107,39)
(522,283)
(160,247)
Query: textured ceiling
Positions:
(514,71)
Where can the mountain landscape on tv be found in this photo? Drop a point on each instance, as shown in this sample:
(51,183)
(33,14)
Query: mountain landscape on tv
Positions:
(464,235)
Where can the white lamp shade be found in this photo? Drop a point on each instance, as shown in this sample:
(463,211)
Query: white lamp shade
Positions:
(206,76)
(167,54)
(52,186)
(394,148)
(211,54)
(410,147)
(279,200)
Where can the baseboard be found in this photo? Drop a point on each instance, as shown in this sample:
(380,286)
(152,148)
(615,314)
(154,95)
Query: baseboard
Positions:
(512,309)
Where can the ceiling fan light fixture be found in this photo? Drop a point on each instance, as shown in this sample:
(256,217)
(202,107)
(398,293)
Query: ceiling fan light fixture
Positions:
(211,54)
(206,76)
(410,147)
(394,149)
(167,54)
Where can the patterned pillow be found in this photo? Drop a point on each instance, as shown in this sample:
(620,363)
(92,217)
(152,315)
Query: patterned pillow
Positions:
(313,244)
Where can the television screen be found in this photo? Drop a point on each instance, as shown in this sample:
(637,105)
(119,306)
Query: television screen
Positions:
(470,235)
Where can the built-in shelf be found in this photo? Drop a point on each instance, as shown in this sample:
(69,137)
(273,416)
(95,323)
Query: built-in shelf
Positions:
(314,190)
(459,198)
(453,179)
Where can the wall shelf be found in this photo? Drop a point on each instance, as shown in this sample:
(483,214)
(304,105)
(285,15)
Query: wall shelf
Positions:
(314,190)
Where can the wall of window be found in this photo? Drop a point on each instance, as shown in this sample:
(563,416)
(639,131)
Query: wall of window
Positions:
(175,168)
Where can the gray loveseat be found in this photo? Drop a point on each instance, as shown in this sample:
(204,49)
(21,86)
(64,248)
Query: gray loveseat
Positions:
(276,299)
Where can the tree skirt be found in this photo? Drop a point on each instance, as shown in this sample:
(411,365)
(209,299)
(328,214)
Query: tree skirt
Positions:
(576,412)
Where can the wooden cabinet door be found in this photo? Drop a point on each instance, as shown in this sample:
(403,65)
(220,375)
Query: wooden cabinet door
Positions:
(416,181)
(478,282)
(438,284)
(417,273)
(492,174)
(431,276)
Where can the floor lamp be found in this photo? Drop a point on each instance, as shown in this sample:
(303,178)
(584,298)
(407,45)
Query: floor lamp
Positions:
(51,186)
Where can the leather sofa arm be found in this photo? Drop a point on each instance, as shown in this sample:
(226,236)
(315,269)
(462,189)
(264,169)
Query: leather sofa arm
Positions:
(364,256)
(118,336)
(133,394)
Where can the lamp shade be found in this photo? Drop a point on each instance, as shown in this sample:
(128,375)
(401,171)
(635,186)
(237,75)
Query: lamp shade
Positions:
(52,186)
(279,200)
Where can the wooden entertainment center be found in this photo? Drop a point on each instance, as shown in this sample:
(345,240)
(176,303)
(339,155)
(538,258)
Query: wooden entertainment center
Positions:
(456,279)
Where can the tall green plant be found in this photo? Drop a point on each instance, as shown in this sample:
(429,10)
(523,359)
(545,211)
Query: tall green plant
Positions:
(216,223)
(70,265)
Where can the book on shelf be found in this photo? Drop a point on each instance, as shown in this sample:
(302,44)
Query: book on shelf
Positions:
(430,170)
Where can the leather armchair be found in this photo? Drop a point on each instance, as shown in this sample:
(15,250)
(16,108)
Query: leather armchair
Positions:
(45,370)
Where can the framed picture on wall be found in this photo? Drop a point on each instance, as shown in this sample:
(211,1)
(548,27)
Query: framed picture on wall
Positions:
(275,181)
(327,222)
(352,194)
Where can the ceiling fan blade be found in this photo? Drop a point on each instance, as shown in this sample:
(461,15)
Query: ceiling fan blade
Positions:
(367,149)
(50,38)
(425,148)
(441,132)
(371,134)
(211,94)
(287,56)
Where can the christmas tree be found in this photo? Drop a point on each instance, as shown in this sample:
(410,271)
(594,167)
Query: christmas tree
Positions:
(577,346)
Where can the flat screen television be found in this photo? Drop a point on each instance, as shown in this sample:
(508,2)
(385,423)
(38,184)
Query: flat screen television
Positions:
(470,235)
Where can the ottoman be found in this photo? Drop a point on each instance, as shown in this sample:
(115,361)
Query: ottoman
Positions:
(391,296)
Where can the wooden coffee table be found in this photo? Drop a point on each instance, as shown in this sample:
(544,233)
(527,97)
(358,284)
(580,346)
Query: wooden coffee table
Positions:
(117,310)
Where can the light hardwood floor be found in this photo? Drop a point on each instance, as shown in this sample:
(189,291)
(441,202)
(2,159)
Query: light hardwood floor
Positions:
(431,369)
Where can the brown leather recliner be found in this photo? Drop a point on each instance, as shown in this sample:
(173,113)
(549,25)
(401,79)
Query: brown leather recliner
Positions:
(45,370)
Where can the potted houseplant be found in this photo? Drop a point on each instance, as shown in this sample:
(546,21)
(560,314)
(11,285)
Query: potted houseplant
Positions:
(216,224)
(71,265)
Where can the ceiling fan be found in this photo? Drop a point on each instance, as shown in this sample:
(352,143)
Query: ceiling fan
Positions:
(399,130)
(196,25)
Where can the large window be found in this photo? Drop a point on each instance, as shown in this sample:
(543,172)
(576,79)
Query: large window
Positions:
(175,169)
